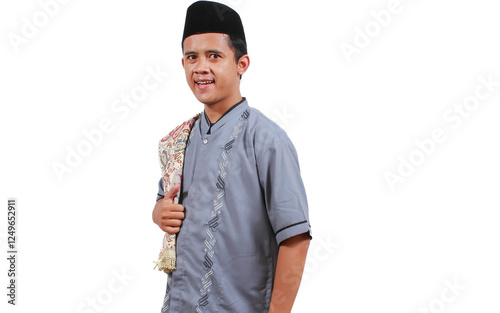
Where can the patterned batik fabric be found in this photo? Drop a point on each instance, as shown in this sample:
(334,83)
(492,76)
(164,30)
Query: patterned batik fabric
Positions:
(171,151)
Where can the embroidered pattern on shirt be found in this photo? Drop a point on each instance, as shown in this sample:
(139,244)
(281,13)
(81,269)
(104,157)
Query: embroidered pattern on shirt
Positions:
(214,221)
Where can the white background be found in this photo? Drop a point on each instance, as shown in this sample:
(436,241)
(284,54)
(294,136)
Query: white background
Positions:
(374,249)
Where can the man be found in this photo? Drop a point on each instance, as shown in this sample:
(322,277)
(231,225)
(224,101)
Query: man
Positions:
(242,222)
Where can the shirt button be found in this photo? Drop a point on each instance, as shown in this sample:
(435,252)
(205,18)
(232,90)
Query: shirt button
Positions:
(205,141)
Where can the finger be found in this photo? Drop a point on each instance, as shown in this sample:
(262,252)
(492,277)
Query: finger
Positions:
(168,208)
(173,192)
(176,208)
(173,216)
(173,223)
(171,230)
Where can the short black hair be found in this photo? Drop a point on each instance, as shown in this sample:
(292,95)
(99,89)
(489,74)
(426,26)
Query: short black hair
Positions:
(239,47)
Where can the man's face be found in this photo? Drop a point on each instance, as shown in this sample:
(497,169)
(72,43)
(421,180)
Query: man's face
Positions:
(211,70)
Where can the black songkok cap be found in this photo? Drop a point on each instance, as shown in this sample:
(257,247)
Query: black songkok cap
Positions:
(212,17)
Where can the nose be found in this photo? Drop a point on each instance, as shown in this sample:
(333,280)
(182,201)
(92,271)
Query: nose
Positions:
(201,66)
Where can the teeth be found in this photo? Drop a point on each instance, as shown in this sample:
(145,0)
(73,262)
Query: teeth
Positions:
(204,83)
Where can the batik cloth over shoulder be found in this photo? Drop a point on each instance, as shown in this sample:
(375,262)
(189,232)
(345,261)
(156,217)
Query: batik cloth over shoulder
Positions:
(171,151)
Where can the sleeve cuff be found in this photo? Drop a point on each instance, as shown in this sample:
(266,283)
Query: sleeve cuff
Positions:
(293,230)
(160,193)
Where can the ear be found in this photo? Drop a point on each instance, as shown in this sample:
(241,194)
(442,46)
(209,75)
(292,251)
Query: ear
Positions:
(182,62)
(243,64)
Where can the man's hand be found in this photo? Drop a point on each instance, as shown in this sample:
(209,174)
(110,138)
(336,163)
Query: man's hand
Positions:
(167,215)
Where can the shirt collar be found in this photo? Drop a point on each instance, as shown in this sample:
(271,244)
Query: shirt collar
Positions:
(205,127)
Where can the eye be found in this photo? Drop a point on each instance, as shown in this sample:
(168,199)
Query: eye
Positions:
(214,56)
(191,57)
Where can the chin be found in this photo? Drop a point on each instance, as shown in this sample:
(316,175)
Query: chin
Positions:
(204,100)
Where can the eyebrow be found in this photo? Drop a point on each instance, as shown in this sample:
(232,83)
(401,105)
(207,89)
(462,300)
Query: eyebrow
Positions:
(207,51)
(215,51)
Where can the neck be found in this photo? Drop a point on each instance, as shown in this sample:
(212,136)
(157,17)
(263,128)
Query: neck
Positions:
(216,110)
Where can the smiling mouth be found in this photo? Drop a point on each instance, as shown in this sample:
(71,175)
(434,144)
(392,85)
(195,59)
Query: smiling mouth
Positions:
(200,83)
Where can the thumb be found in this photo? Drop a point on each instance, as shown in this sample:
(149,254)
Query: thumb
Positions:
(173,192)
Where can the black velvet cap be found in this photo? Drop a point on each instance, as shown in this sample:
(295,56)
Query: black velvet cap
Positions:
(212,17)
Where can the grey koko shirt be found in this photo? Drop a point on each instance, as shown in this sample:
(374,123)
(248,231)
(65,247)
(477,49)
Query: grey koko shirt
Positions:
(243,195)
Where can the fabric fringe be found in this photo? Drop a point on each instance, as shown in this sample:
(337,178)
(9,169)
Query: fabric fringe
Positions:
(166,261)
